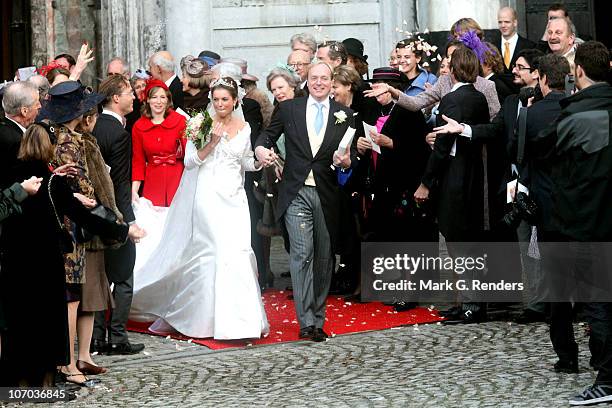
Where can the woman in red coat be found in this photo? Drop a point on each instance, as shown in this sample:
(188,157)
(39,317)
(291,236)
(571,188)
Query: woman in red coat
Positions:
(157,143)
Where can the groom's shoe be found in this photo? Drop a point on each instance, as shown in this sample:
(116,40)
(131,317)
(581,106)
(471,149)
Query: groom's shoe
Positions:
(306,333)
(319,335)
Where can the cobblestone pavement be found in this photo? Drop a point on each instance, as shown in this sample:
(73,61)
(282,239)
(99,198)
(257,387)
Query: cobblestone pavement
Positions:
(487,365)
(495,364)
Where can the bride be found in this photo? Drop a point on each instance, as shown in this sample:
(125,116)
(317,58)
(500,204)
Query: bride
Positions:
(202,278)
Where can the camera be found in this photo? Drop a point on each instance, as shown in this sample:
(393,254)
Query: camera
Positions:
(529,92)
(523,208)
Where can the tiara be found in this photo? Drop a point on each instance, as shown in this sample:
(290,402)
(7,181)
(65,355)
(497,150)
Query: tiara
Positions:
(222,81)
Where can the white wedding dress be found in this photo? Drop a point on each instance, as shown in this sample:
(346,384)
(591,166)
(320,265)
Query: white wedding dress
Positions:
(202,278)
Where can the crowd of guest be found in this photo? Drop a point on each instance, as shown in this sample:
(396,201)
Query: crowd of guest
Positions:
(432,163)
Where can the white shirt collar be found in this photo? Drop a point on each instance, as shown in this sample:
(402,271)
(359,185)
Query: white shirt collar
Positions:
(23,130)
(458,85)
(489,76)
(169,81)
(114,115)
(512,40)
(313,101)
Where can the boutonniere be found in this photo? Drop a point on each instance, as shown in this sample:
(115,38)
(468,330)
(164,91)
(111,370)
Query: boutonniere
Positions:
(340,117)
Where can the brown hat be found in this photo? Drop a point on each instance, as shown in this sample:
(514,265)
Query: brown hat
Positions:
(243,66)
(192,66)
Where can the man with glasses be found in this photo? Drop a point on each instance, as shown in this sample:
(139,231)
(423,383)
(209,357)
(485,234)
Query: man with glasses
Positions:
(300,61)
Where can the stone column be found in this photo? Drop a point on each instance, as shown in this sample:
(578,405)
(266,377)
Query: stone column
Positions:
(132,30)
(393,14)
(188,27)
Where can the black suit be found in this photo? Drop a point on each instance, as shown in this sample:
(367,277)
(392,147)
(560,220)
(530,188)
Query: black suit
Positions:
(176,89)
(458,181)
(498,137)
(521,44)
(539,117)
(10,139)
(116,148)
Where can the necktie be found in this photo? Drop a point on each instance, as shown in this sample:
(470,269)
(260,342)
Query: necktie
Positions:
(507,54)
(318,123)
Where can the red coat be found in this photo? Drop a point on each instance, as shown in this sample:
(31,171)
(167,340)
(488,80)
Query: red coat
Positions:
(154,159)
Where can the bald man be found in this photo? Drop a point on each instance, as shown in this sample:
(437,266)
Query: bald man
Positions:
(161,66)
(511,43)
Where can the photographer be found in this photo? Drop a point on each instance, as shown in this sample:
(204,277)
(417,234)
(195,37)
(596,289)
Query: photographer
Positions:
(581,215)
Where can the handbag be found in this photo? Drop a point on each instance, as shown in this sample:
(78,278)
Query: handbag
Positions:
(81,235)
(66,242)
(180,152)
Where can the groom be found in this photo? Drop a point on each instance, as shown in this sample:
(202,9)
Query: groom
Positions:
(309,194)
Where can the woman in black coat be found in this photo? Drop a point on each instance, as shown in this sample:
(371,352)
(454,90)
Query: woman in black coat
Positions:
(33,279)
(396,172)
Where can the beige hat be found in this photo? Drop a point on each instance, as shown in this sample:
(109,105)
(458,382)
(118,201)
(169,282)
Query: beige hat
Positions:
(243,66)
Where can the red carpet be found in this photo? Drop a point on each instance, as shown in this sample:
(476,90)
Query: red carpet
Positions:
(342,317)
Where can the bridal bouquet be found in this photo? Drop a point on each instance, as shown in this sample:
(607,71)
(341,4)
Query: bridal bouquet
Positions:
(198,128)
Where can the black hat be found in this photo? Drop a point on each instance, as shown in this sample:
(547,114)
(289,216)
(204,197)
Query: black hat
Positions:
(68,100)
(388,74)
(354,47)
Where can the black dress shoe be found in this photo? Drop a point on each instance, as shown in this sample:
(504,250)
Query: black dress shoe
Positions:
(124,348)
(319,335)
(452,313)
(306,332)
(404,306)
(468,317)
(567,367)
(98,346)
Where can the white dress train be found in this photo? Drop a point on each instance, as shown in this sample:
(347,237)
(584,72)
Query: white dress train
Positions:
(202,278)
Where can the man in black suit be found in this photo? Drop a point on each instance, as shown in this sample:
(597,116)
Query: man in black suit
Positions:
(116,148)
(510,42)
(455,171)
(161,66)
(309,194)
(21,105)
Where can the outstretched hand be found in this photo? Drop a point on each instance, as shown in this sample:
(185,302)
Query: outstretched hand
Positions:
(452,126)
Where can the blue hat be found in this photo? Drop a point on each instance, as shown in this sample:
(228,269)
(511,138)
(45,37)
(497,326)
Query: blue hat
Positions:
(67,101)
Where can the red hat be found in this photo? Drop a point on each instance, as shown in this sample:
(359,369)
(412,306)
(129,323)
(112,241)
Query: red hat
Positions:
(152,83)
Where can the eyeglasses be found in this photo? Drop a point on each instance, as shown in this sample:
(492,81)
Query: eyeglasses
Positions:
(297,64)
(522,68)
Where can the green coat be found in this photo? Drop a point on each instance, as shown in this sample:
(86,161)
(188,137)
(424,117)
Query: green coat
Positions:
(10,199)
(9,205)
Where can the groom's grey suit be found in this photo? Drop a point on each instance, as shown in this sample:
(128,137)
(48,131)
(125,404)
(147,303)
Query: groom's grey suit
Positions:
(309,198)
